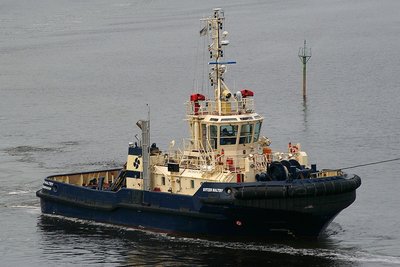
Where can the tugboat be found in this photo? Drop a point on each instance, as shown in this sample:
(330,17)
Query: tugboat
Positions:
(226,181)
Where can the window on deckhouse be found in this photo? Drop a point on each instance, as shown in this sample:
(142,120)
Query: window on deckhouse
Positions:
(228,134)
(246,132)
(213,136)
(257,131)
(204,136)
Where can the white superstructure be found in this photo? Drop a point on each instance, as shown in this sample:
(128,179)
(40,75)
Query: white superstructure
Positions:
(224,143)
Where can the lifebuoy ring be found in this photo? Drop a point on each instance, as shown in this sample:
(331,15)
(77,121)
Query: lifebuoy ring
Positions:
(293,148)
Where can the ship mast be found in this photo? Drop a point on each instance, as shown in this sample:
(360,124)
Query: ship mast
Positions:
(214,26)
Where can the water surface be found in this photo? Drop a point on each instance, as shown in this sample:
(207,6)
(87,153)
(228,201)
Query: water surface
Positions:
(75,77)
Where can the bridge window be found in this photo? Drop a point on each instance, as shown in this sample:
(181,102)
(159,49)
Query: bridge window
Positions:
(229,119)
(204,136)
(228,134)
(246,132)
(257,131)
(213,136)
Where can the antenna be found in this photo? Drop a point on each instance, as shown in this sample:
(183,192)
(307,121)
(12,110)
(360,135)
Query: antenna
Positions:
(214,28)
(304,55)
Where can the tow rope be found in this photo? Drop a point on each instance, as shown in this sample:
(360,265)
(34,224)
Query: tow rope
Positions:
(372,163)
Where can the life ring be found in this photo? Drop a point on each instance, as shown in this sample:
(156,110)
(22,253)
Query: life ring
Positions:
(294,149)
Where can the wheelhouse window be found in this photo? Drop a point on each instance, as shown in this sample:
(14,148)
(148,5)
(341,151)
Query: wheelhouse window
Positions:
(204,135)
(257,131)
(246,132)
(213,136)
(228,134)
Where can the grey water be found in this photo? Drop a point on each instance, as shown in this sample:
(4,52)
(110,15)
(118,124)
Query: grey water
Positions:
(75,76)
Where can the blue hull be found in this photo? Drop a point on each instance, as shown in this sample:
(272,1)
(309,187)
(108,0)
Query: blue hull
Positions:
(210,212)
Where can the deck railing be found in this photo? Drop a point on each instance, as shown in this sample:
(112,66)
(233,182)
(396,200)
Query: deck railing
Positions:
(196,156)
(84,178)
(210,107)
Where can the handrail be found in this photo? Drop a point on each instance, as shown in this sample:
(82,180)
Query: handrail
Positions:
(207,107)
